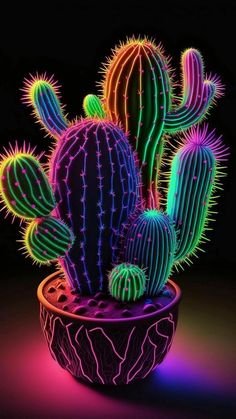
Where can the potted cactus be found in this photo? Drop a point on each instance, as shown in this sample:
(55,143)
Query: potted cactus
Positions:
(100,211)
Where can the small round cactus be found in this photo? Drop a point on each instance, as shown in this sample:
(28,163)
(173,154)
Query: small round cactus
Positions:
(46,239)
(127,282)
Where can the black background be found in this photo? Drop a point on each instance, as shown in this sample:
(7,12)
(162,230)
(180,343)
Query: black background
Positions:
(71,42)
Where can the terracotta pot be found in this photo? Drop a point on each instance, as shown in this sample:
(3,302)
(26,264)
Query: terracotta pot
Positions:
(108,351)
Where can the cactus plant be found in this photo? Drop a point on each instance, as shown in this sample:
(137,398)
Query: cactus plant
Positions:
(47,239)
(127,282)
(93,107)
(138,90)
(150,243)
(194,177)
(99,204)
(24,186)
(95,183)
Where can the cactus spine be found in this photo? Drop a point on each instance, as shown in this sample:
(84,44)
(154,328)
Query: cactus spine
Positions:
(127,282)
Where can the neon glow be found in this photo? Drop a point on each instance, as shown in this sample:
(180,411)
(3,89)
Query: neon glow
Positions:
(127,282)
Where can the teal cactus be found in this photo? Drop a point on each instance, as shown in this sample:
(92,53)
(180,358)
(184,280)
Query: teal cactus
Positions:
(47,239)
(150,243)
(24,186)
(127,282)
(195,173)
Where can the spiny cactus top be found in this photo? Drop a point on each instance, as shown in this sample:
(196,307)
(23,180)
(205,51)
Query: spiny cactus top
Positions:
(138,90)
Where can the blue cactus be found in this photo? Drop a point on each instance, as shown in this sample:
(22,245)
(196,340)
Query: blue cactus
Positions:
(95,182)
(150,243)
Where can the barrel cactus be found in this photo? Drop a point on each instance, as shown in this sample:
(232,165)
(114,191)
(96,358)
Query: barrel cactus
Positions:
(127,282)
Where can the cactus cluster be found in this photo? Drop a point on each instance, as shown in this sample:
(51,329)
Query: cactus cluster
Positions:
(100,201)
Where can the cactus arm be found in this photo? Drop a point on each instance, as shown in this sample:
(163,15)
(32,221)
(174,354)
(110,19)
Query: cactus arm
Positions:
(93,107)
(47,239)
(193,179)
(24,187)
(42,94)
(197,94)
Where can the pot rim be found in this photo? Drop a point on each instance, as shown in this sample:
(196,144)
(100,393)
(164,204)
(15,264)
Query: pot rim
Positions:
(86,319)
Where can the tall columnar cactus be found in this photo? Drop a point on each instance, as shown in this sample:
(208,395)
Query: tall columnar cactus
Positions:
(95,182)
(138,91)
(127,282)
(150,243)
(195,173)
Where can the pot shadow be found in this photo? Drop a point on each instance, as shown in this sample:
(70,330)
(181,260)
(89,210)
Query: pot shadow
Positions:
(159,391)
